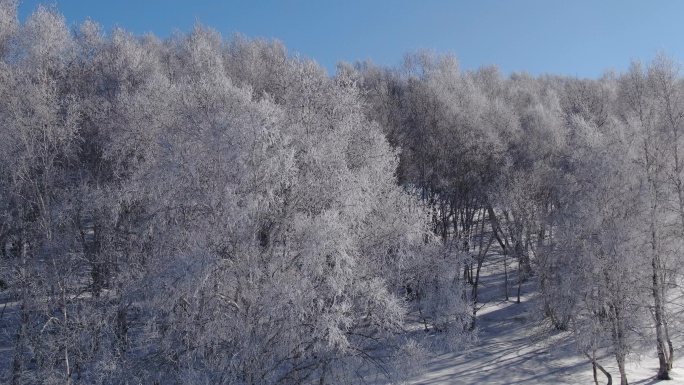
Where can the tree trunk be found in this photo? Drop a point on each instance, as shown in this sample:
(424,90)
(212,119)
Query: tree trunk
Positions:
(65,320)
(18,359)
(666,332)
(619,343)
(670,357)
(519,280)
(595,365)
(663,371)
(481,255)
(621,367)
(505,261)
(503,243)
(121,330)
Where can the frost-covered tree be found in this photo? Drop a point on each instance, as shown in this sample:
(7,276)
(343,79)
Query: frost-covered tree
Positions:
(596,275)
(8,25)
(40,140)
(279,237)
(200,209)
(197,210)
(648,104)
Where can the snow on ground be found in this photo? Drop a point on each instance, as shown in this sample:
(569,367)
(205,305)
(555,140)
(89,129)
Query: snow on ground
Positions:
(513,348)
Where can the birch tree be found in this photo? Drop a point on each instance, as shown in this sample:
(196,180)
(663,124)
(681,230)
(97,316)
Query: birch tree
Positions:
(647,116)
(598,274)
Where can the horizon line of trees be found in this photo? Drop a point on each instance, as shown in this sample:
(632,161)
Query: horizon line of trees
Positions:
(209,210)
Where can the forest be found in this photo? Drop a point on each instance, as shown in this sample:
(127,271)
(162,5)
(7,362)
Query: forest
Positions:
(211,210)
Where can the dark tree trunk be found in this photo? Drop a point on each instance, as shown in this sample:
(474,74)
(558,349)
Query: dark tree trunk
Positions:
(595,365)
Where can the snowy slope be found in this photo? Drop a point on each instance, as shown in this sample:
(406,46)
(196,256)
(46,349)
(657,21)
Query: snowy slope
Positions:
(515,348)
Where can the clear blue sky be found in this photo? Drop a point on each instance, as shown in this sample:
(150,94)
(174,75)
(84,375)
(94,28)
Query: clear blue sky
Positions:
(579,37)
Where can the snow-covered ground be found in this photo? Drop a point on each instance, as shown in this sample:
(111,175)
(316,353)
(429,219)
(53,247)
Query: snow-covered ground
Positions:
(514,348)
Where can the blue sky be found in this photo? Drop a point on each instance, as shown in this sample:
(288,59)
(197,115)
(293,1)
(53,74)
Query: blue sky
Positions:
(579,38)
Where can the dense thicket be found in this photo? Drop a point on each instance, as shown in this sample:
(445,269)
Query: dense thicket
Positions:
(578,181)
(201,210)
(210,210)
